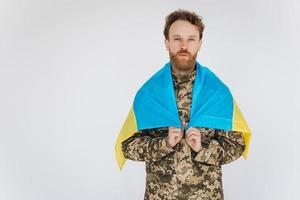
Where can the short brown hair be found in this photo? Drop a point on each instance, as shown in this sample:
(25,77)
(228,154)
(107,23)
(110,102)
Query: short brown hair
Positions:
(186,15)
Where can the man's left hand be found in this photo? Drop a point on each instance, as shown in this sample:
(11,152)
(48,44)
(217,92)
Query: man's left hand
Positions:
(193,139)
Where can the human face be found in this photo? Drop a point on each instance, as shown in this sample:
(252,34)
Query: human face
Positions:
(183,45)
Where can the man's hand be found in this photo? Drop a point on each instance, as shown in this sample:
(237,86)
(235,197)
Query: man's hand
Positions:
(174,135)
(193,139)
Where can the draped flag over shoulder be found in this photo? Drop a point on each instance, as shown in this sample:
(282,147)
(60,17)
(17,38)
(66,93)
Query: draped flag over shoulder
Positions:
(154,106)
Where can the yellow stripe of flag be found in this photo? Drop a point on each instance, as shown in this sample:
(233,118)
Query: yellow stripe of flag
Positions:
(239,124)
(128,129)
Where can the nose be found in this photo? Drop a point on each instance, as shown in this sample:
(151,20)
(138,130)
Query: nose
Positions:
(183,45)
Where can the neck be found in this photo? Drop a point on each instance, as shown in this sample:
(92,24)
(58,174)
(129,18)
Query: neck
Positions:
(182,72)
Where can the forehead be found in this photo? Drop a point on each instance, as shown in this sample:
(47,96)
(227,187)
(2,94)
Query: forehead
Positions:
(183,28)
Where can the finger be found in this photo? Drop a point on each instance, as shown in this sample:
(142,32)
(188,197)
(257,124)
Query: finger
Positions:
(193,136)
(194,139)
(194,133)
(175,132)
(189,133)
(179,133)
(172,128)
(192,129)
(189,130)
(179,137)
(175,137)
(177,129)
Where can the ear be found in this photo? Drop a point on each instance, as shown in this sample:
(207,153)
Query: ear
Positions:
(167,45)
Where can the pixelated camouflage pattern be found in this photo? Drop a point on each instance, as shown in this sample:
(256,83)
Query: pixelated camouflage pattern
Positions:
(179,172)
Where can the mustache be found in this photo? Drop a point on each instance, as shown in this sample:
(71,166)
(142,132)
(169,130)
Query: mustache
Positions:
(183,51)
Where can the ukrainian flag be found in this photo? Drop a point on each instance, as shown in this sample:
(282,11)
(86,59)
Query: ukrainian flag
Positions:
(154,106)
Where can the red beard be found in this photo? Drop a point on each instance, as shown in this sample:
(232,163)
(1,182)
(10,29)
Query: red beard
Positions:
(183,63)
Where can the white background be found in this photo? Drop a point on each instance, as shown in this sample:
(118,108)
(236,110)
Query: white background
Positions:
(69,71)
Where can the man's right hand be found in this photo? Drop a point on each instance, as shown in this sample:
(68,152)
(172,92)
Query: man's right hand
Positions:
(175,135)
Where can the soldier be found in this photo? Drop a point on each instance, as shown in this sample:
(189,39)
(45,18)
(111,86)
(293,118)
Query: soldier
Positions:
(184,164)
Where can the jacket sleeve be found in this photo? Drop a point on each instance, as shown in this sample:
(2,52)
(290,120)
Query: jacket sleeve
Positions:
(222,148)
(144,146)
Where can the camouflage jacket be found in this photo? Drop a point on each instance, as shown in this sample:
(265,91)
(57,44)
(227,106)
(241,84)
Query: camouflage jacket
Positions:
(179,172)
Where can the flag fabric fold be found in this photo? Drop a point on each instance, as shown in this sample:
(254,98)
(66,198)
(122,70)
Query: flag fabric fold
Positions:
(154,106)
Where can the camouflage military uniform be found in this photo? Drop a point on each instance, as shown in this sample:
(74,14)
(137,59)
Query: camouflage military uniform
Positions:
(179,172)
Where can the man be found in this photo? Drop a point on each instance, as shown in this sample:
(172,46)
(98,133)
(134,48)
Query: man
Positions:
(184,164)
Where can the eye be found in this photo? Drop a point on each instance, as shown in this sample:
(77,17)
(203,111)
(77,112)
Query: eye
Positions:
(176,38)
(191,39)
